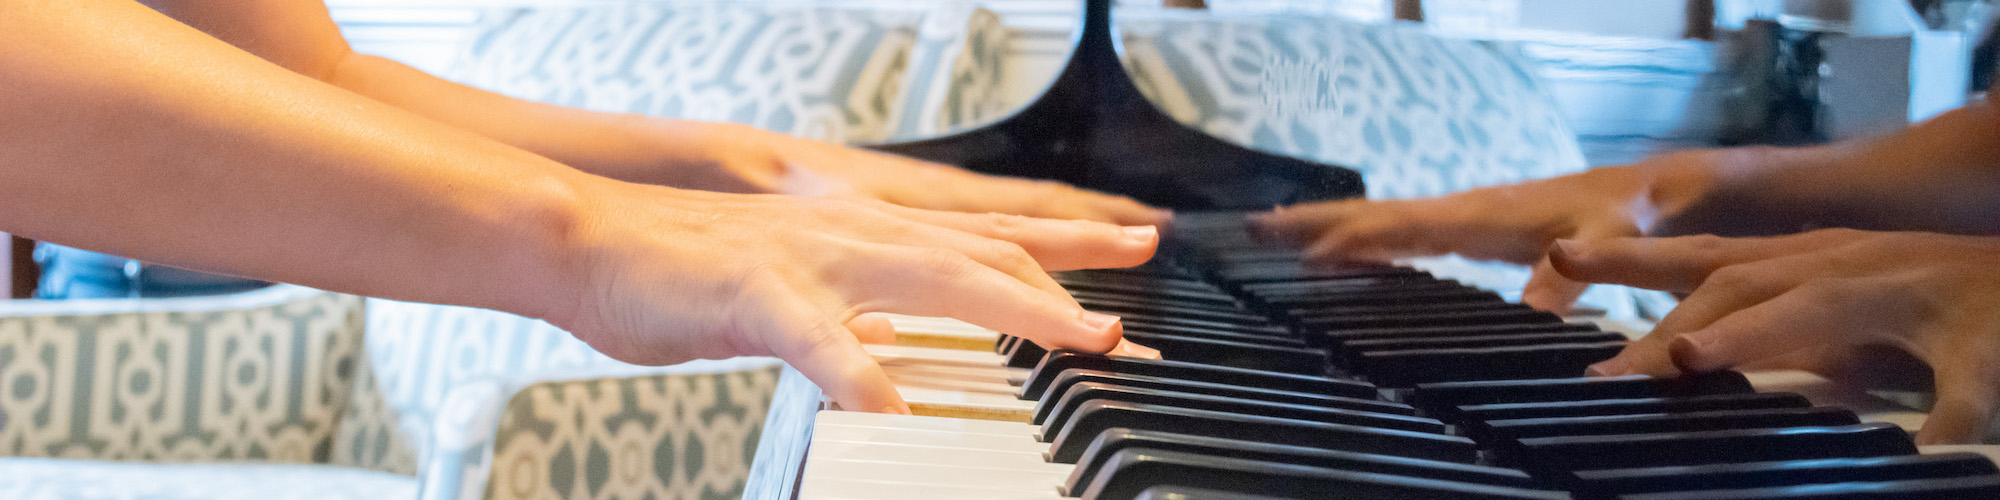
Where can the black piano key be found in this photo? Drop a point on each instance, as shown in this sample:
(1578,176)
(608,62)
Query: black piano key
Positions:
(1052,365)
(1551,455)
(1444,397)
(1133,307)
(1150,324)
(1434,295)
(1281,272)
(1248,355)
(1214,298)
(1114,440)
(1475,414)
(1025,354)
(1956,488)
(1352,350)
(1129,472)
(1272,328)
(1295,292)
(1004,342)
(1608,483)
(1494,329)
(1068,402)
(1423,366)
(1070,377)
(1819,416)
(1398,309)
(1094,417)
(1516,314)
(1148,283)
(1215,334)
(1187,493)
(1281,296)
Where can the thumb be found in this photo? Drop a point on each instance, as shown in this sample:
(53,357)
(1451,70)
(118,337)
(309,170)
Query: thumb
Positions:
(1964,409)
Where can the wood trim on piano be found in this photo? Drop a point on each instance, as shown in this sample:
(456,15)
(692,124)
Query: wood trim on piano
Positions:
(18,266)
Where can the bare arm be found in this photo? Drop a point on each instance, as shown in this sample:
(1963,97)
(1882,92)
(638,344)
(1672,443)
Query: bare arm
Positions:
(124,131)
(299,35)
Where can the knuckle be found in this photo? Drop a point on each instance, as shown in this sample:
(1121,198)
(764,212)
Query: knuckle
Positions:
(1011,255)
(1005,226)
(944,264)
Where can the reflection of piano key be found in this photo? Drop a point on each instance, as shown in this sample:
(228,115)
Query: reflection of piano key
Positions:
(1131,425)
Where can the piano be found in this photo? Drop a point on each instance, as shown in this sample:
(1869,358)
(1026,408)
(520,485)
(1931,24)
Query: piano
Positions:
(1281,381)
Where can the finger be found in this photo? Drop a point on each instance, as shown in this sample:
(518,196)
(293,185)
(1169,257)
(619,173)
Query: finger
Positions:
(872,329)
(1056,244)
(1549,290)
(934,282)
(1729,291)
(1118,210)
(1965,399)
(1808,317)
(1361,240)
(1300,225)
(1676,264)
(815,343)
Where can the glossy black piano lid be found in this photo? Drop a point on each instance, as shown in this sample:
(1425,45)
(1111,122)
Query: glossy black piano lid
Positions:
(1092,128)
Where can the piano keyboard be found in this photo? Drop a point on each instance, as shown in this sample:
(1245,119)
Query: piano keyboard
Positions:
(1282,382)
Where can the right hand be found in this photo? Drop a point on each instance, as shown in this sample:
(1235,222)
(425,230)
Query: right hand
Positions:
(1512,223)
(662,276)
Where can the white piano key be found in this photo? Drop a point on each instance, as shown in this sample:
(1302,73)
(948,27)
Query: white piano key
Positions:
(912,422)
(934,439)
(823,488)
(923,473)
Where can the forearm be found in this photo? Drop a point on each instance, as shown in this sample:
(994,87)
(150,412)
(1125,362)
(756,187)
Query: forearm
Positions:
(1942,175)
(167,145)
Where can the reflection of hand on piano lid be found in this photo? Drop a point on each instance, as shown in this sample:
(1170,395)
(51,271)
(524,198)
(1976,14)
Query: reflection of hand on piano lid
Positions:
(1512,223)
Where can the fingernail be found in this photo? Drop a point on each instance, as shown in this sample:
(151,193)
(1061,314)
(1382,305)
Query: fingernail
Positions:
(1099,322)
(1142,234)
(895,410)
(1128,348)
(1609,368)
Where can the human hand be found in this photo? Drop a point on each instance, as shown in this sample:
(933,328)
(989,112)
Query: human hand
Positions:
(1512,223)
(1812,301)
(769,162)
(662,276)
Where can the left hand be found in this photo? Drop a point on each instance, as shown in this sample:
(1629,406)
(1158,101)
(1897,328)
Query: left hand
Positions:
(1810,301)
(776,163)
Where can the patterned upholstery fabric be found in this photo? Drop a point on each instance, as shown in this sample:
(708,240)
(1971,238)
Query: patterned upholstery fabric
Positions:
(46,479)
(257,376)
(656,436)
(1417,114)
(823,73)
(440,377)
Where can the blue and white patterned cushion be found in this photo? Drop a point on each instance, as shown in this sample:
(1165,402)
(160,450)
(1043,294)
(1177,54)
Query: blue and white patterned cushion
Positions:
(55,479)
(823,73)
(1416,114)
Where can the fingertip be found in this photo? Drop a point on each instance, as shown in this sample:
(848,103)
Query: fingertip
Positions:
(1101,332)
(1131,349)
(1689,353)
(1616,366)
